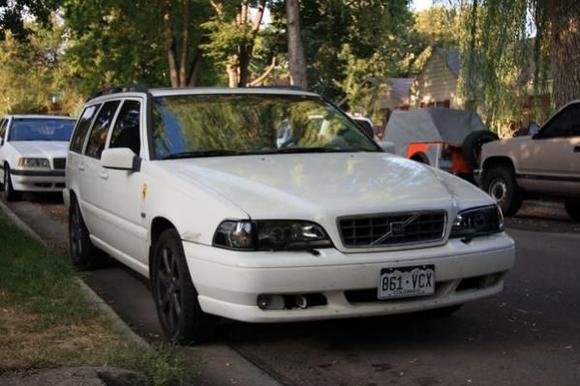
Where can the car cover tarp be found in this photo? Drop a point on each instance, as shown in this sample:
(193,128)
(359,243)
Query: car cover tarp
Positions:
(434,124)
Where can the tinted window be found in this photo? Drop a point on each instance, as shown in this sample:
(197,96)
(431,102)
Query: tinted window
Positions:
(126,130)
(45,129)
(83,125)
(98,135)
(565,124)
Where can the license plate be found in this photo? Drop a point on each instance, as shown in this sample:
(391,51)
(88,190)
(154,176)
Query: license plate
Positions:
(404,282)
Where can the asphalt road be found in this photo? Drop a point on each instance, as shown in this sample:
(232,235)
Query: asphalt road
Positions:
(528,335)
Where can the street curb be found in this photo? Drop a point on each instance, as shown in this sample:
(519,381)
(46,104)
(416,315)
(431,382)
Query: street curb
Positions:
(90,295)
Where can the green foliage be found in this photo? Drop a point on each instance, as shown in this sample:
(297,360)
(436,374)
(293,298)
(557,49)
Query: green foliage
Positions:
(348,44)
(160,364)
(112,43)
(14,12)
(40,279)
(502,64)
(32,73)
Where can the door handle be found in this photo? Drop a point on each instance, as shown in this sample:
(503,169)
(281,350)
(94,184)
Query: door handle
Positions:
(104,175)
(576,149)
(81,167)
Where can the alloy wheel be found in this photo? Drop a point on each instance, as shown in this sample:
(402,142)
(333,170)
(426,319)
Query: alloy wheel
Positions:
(168,289)
(76,233)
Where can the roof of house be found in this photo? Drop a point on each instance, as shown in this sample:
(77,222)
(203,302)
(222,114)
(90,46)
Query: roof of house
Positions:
(401,86)
(451,57)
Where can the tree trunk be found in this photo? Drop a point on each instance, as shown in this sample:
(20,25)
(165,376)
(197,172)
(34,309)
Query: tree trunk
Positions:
(170,46)
(297,61)
(565,40)
(232,70)
(183,63)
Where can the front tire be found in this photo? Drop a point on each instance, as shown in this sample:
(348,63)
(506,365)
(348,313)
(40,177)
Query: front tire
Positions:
(9,193)
(83,253)
(181,317)
(500,183)
(573,210)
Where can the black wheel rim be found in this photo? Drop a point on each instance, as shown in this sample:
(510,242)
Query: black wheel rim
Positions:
(168,289)
(76,233)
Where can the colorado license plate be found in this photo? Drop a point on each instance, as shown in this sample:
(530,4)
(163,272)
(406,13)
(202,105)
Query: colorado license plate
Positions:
(403,282)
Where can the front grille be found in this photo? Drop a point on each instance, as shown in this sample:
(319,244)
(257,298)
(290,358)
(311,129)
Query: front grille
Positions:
(392,229)
(59,163)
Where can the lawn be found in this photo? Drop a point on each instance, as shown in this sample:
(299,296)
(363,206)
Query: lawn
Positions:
(46,322)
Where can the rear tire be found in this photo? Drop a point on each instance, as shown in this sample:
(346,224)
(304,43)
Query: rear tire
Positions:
(9,193)
(181,317)
(84,255)
(471,148)
(500,183)
(573,210)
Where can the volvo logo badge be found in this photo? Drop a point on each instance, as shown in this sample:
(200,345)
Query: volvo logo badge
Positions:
(396,228)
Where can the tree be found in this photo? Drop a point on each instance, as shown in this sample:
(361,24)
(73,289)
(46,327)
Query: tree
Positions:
(564,17)
(503,51)
(232,37)
(297,61)
(32,75)
(347,42)
(12,17)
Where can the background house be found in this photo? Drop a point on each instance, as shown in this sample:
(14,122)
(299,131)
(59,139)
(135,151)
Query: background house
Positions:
(436,83)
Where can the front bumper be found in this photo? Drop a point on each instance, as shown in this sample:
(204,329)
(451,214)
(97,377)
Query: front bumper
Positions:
(37,180)
(229,282)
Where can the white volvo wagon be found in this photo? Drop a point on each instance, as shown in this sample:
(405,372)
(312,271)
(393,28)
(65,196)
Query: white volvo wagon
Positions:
(271,205)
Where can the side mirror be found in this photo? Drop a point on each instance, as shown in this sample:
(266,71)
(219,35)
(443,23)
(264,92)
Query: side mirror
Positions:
(534,129)
(121,158)
(388,146)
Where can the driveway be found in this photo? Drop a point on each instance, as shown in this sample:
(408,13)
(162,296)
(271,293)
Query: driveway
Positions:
(529,334)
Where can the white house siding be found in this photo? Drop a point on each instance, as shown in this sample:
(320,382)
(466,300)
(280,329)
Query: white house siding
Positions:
(435,83)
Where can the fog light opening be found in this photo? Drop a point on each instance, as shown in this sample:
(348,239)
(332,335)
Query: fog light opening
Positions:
(271,302)
(301,301)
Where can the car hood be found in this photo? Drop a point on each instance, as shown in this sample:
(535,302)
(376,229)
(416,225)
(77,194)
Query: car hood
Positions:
(41,149)
(323,186)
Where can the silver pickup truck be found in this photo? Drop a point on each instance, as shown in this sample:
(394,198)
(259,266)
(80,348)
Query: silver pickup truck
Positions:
(545,165)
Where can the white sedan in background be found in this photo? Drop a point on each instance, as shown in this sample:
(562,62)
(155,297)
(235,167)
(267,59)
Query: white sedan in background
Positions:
(33,153)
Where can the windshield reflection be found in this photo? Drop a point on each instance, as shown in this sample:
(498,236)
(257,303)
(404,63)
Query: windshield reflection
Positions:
(221,125)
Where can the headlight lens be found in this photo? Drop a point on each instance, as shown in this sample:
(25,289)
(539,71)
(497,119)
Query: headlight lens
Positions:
(270,235)
(33,163)
(479,221)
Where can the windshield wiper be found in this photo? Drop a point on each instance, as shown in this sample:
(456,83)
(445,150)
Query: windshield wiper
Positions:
(202,153)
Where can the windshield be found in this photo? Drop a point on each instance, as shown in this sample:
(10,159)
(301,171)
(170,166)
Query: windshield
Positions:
(213,125)
(45,129)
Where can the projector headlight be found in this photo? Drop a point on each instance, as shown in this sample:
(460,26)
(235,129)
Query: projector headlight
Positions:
(269,235)
(478,221)
(33,163)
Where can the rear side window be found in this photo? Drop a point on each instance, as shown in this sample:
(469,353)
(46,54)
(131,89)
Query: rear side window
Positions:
(83,125)
(98,135)
(126,130)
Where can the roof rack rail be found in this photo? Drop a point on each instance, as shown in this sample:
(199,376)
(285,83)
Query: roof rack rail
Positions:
(287,87)
(139,87)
